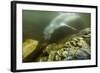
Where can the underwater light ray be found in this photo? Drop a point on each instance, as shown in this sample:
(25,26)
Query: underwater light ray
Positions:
(60,21)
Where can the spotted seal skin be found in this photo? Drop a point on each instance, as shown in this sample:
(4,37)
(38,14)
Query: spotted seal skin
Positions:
(76,48)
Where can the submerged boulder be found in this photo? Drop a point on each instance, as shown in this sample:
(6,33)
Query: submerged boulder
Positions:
(29,46)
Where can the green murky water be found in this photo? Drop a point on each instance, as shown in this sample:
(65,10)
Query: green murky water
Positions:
(35,22)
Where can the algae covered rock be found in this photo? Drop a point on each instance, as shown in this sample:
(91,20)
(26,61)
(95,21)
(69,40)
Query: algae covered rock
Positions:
(78,49)
(29,46)
(86,34)
(75,49)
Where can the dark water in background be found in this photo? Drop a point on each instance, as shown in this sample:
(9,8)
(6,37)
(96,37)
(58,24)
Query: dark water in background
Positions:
(34,23)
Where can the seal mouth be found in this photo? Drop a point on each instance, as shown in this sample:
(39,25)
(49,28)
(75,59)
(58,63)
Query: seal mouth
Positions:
(71,27)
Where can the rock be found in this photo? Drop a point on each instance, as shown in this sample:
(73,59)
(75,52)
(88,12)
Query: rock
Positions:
(43,59)
(57,58)
(83,53)
(65,54)
(79,49)
(28,47)
(86,34)
(52,56)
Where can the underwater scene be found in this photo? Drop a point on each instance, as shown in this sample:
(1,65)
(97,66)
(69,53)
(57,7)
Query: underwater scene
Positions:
(55,36)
